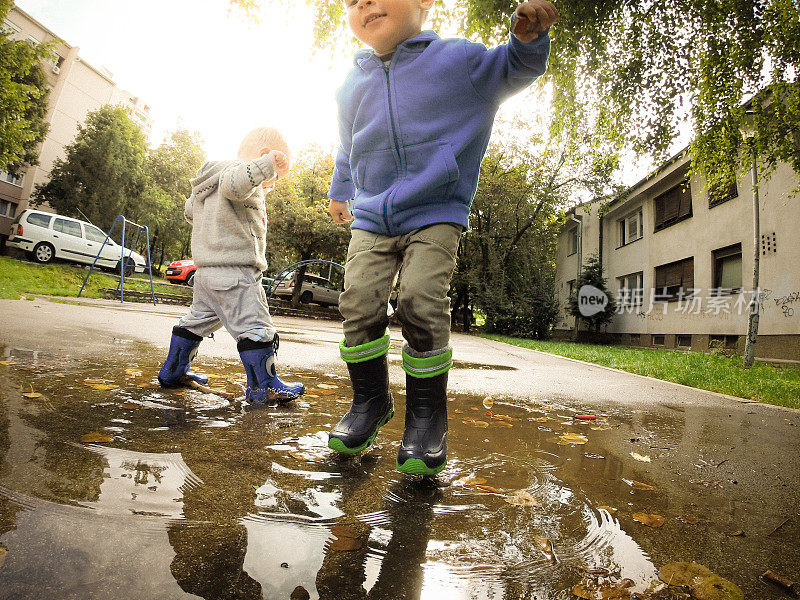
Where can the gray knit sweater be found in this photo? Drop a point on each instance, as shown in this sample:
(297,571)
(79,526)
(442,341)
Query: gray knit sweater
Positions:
(226,210)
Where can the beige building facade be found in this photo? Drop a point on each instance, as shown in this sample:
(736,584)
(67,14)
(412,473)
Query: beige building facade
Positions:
(76,88)
(681,268)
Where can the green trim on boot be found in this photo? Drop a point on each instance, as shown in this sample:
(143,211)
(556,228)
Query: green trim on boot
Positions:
(416,466)
(338,445)
(431,366)
(364,352)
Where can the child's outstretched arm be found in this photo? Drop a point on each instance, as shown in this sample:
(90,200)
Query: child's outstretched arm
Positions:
(532,18)
(239,181)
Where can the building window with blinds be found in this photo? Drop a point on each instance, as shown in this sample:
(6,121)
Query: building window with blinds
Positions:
(674,280)
(673,206)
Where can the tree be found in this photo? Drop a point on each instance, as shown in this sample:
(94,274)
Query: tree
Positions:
(23,99)
(170,167)
(300,227)
(592,274)
(506,264)
(103,173)
(636,73)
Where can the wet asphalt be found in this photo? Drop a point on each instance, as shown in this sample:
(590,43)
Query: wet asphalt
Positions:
(186,494)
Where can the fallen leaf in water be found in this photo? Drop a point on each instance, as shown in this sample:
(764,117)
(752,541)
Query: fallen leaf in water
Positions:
(610,509)
(504,418)
(93,381)
(689,519)
(96,438)
(458,412)
(595,456)
(601,428)
(347,538)
(134,372)
(32,394)
(145,385)
(603,589)
(546,547)
(737,533)
(470,481)
(476,423)
(640,457)
(504,424)
(521,498)
(474,408)
(539,419)
(310,395)
(213,376)
(343,400)
(701,581)
(327,386)
(322,392)
(102,386)
(574,438)
(3,553)
(7,362)
(638,485)
(488,402)
(490,489)
(130,405)
(648,519)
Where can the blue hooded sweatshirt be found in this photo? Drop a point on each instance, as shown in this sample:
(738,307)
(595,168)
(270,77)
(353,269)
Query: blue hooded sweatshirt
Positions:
(413,133)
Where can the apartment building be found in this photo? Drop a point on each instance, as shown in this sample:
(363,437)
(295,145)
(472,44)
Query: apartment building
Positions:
(76,88)
(681,267)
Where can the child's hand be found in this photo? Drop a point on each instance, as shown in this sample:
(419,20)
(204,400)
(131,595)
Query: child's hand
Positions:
(531,18)
(340,212)
(281,164)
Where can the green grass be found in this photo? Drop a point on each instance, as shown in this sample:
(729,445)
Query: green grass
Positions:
(19,278)
(763,382)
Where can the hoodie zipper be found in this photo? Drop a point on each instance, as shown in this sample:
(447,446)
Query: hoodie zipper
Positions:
(394,139)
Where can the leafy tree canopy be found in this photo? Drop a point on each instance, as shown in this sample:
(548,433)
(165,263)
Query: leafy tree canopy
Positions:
(636,72)
(23,99)
(103,173)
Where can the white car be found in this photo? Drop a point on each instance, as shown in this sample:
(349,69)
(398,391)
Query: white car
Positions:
(45,236)
(315,289)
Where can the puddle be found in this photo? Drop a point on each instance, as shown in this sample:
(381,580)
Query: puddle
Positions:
(194,496)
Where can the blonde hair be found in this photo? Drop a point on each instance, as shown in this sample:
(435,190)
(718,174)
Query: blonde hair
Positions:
(263,137)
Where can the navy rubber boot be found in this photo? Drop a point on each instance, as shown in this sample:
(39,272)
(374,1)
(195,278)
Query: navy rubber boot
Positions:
(263,384)
(423,450)
(182,350)
(372,407)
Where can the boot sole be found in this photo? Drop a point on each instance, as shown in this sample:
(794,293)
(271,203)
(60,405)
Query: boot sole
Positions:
(416,466)
(338,445)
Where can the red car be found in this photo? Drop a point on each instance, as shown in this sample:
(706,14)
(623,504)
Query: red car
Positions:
(181,271)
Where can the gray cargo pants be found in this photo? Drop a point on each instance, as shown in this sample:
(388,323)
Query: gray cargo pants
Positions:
(232,297)
(425,258)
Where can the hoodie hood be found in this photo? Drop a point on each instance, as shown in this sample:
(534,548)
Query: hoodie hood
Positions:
(207,180)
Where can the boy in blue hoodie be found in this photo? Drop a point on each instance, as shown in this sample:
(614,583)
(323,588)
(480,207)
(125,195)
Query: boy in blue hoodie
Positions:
(415,116)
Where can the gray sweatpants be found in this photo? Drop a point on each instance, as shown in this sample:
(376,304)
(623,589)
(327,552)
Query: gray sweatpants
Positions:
(425,258)
(232,297)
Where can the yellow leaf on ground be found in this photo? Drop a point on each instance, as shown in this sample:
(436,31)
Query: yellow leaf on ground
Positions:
(96,438)
(213,376)
(103,386)
(488,402)
(648,519)
(32,395)
(574,438)
(640,457)
(490,489)
(470,480)
(521,498)
(7,362)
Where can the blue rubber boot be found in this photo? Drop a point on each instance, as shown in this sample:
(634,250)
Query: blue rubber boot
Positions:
(182,350)
(263,384)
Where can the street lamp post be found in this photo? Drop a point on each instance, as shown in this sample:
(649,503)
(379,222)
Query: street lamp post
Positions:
(755,305)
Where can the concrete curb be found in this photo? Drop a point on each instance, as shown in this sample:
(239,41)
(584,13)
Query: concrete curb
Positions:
(672,383)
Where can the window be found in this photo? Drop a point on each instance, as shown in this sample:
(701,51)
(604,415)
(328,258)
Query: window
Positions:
(721,193)
(7,209)
(675,280)
(727,265)
(630,289)
(10,29)
(40,219)
(683,341)
(633,339)
(32,40)
(93,234)
(673,206)
(68,227)
(572,241)
(728,342)
(630,228)
(9,178)
(657,340)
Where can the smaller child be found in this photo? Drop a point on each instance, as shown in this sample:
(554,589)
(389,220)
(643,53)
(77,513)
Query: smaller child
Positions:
(229,230)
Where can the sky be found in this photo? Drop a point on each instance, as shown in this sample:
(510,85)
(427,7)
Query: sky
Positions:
(203,67)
